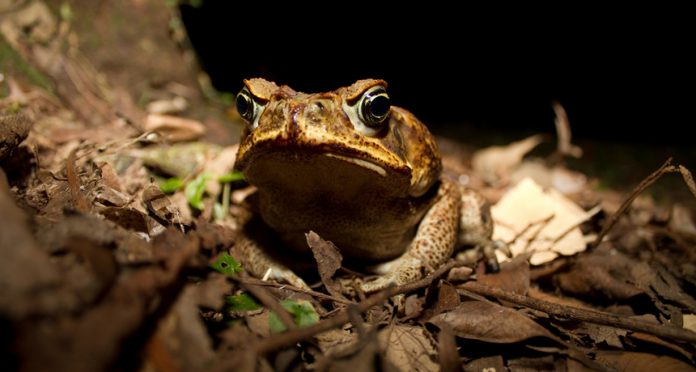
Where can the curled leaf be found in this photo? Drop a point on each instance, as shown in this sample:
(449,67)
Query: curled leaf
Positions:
(490,323)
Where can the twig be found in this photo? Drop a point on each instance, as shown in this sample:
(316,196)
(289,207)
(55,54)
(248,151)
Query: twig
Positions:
(665,168)
(688,179)
(565,147)
(291,337)
(323,296)
(585,315)
(270,302)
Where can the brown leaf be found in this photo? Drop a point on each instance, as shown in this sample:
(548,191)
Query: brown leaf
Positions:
(328,259)
(447,351)
(630,361)
(413,306)
(656,341)
(128,218)
(656,281)
(119,315)
(447,299)
(336,341)
(681,221)
(408,348)
(182,335)
(13,130)
(210,293)
(367,358)
(512,277)
(601,274)
(161,206)
(111,197)
(601,333)
(28,280)
(174,129)
(490,323)
(494,163)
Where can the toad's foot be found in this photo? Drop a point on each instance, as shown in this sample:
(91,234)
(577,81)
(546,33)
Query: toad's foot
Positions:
(461,217)
(260,265)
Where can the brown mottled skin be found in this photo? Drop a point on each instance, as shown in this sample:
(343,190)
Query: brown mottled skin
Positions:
(373,190)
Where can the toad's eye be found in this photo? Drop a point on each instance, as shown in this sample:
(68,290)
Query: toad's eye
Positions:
(248,108)
(374,106)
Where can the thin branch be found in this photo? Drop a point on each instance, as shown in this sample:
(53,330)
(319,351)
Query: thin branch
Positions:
(323,296)
(585,315)
(291,337)
(268,300)
(665,168)
(565,146)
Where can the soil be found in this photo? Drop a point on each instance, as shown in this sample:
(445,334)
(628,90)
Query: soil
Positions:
(119,209)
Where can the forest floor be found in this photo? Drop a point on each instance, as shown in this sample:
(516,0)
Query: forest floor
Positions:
(119,208)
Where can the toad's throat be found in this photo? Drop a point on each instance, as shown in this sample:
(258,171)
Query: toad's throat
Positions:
(360,162)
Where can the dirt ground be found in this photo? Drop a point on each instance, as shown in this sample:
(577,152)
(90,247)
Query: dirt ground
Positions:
(119,208)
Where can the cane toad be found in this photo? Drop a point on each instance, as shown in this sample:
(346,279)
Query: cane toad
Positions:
(358,171)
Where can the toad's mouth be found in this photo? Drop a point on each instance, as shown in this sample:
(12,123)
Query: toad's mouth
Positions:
(360,162)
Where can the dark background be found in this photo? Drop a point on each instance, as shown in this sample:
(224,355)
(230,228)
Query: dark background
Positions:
(620,76)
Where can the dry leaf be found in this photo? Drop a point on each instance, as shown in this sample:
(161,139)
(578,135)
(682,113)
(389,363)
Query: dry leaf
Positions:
(447,299)
(13,130)
(561,179)
(656,341)
(408,348)
(681,221)
(600,274)
(601,333)
(544,224)
(690,322)
(33,22)
(183,333)
(447,351)
(660,284)
(630,361)
(328,261)
(128,218)
(413,307)
(367,358)
(168,106)
(336,341)
(490,323)
(494,163)
(174,129)
(512,277)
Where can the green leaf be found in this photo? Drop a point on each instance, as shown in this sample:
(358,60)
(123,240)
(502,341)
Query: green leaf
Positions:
(231,177)
(241,302)
(274,323)
(226,264)
(303,311)
(170,185)
(195,189)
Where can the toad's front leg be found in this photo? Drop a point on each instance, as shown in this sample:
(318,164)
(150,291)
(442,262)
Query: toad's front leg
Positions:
(432,246)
